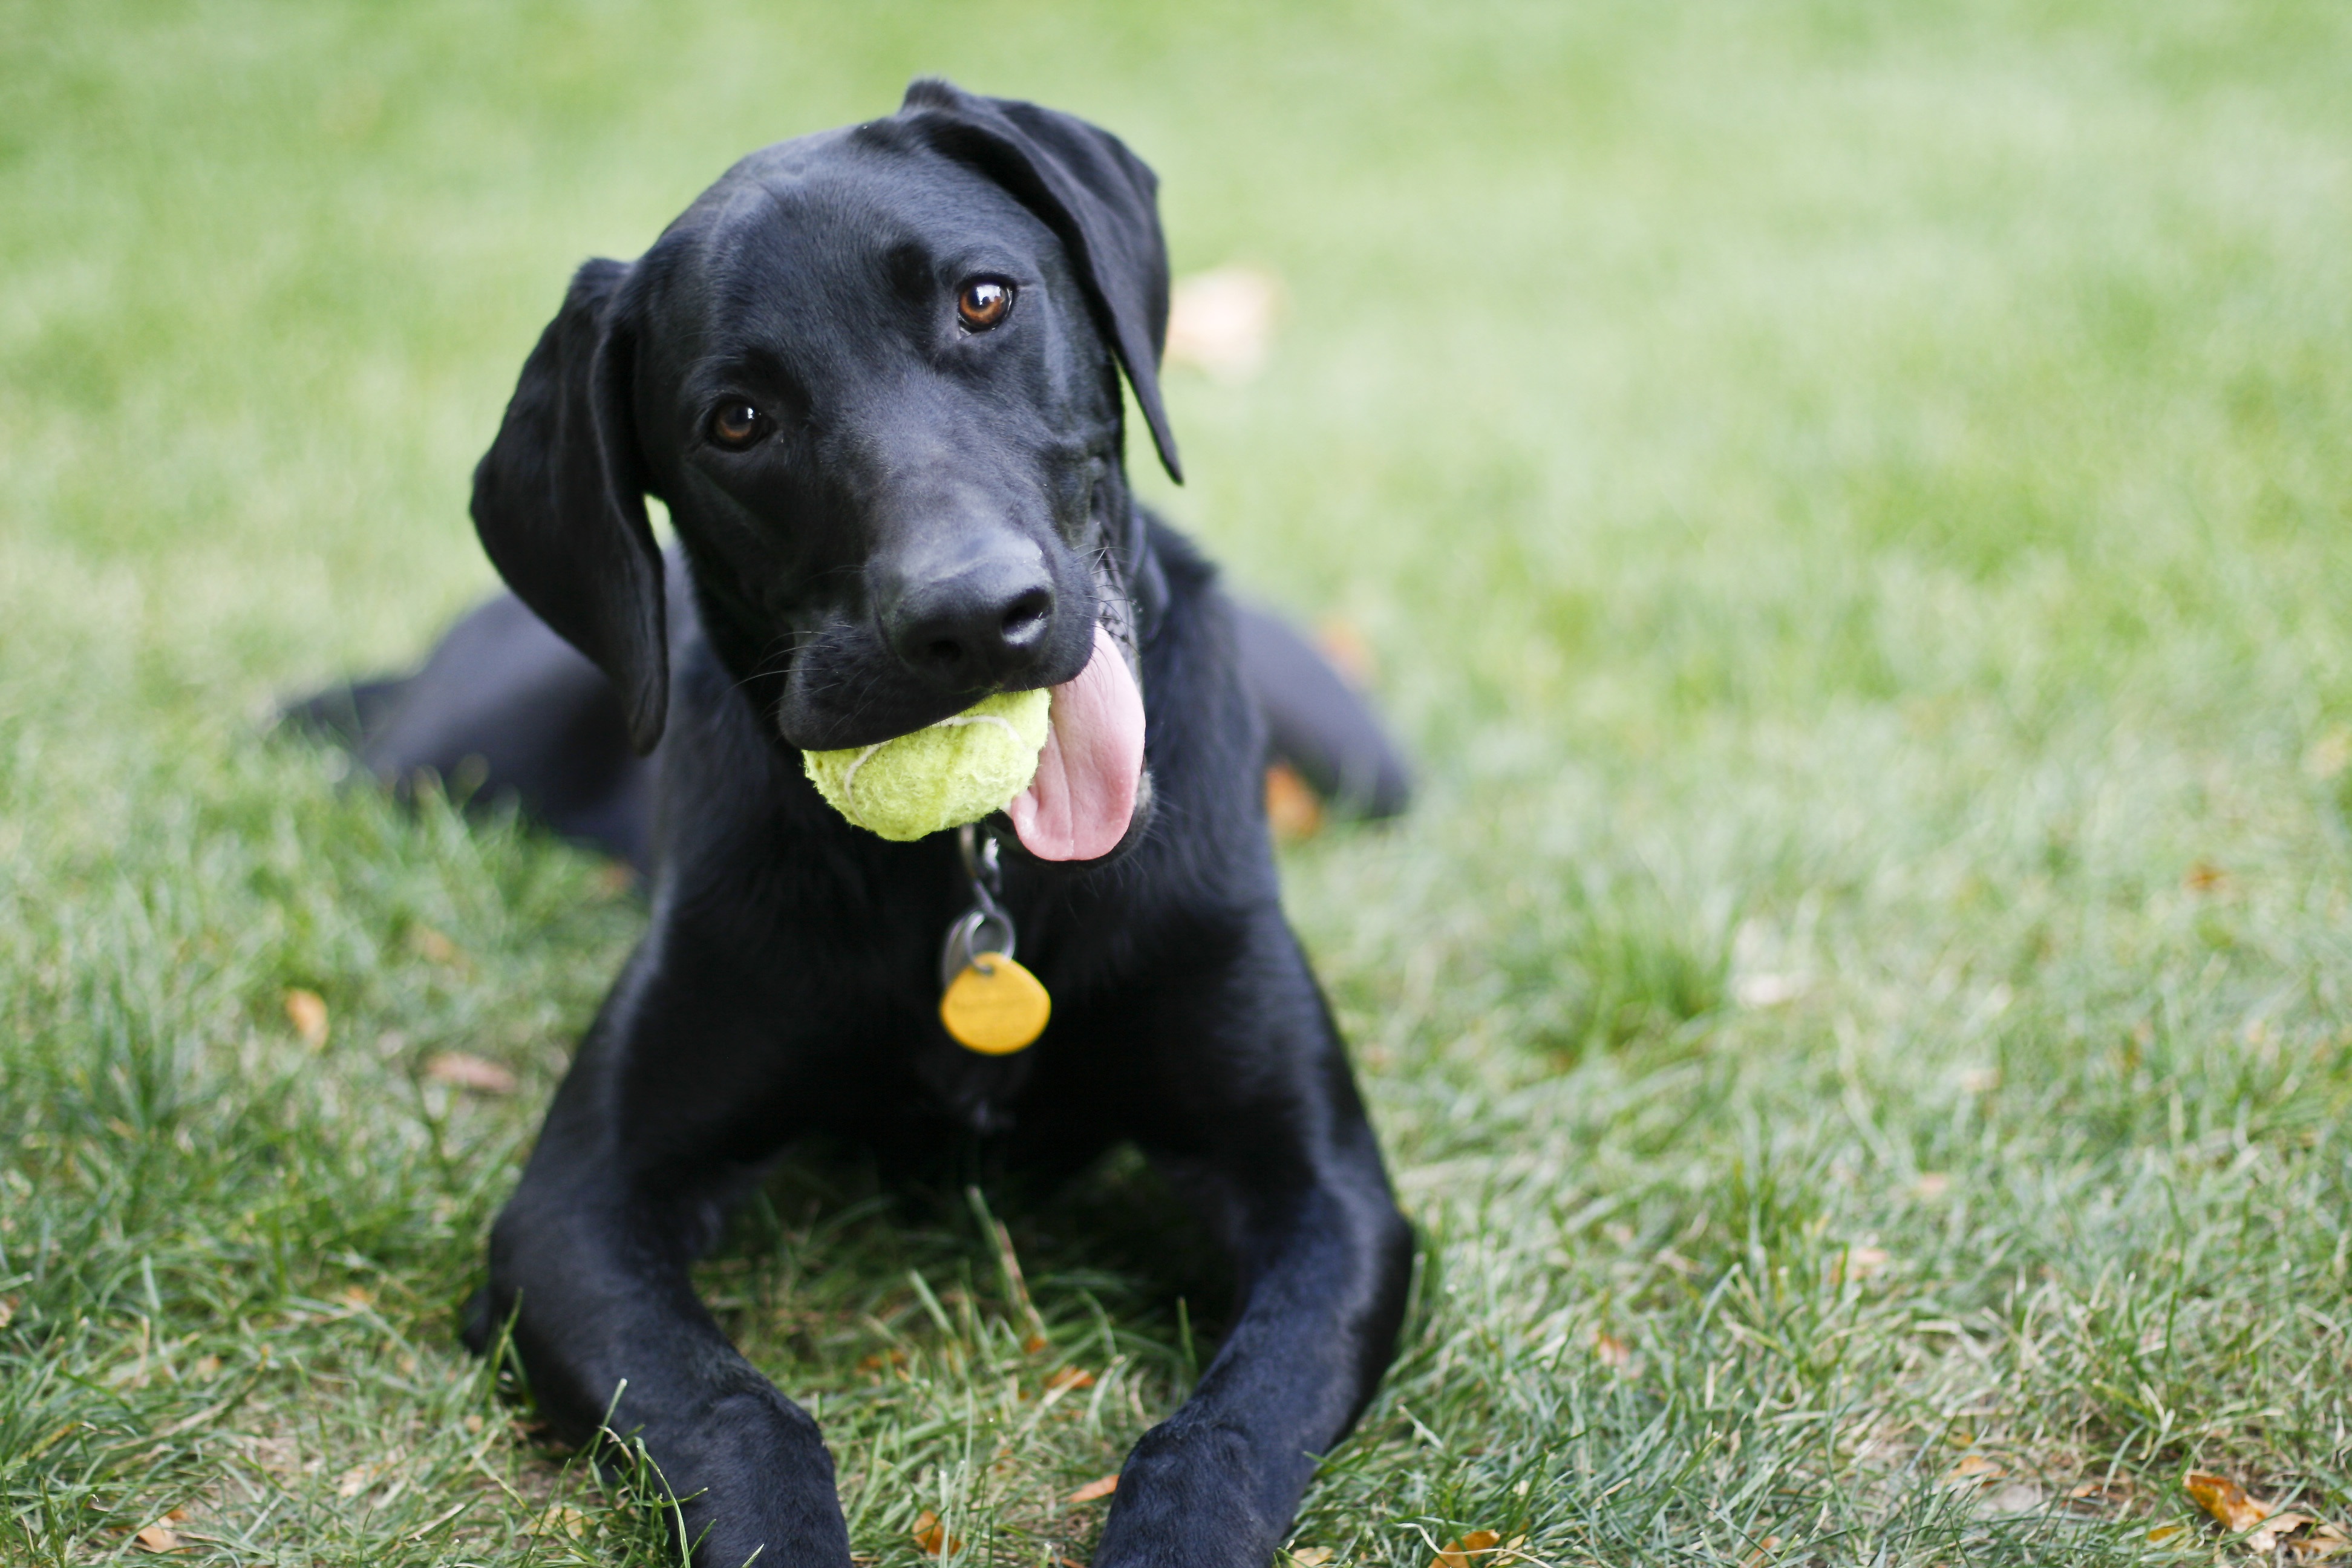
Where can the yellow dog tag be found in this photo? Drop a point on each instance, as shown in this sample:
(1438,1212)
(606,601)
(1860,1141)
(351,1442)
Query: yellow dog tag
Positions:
(995,1007)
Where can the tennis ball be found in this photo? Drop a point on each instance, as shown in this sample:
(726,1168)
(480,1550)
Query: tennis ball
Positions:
(954,772)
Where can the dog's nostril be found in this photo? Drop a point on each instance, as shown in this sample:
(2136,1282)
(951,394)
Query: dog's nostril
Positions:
(1026,615)
(945,650)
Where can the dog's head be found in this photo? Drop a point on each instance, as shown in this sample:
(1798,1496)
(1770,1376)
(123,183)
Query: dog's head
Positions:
(874,374)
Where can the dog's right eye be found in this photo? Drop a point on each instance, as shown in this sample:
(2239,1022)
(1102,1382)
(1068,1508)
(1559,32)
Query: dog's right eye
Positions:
(736,424)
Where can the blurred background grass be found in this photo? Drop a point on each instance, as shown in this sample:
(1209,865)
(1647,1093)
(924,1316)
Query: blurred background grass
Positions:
(1850,506)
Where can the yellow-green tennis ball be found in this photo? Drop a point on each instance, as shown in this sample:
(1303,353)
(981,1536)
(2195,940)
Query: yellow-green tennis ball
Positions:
(954,772)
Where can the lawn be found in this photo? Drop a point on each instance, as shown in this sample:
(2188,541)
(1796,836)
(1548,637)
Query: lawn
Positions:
(1850,504)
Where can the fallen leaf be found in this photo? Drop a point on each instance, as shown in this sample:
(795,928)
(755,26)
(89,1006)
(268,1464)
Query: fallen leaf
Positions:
(931,1537)
(1101,1487)
(1611,1352)
(431,944)
(1973,1471)
(1032,1344)
(1347,649)
(159,1537)
(1763,1552)
(1311,1556)
(460,1070)
(355,1480)
(2263,1542)
(307,1010)
(2327,1541)
(1457,1554)
(1291,809)
(1071,1377)
(7,1310)
(2226,1501)
(2204,877)
(2008,1500)
(2164,1532)
(1221,321)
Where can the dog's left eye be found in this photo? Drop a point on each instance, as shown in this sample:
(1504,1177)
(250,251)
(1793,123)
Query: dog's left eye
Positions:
(984,303)
(735,424)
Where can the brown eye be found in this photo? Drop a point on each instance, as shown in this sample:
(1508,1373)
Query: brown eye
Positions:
(984,303)
(737,425)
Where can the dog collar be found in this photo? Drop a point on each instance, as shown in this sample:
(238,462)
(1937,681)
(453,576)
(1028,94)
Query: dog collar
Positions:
(988,1002)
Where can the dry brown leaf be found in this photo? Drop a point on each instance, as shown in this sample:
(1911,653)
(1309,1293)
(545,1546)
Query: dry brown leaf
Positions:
(159,1538)
(1763,1552)
(7,1310)
(1973,1471)
(1611,1352)
(1348,650)
(2226,1501)
(2263,1542)
(1100,1487)
(2327,1541)
(1457,1554)
(931,1537)
(1071,1377)
(460,1070)
(431,944)
(355,1480)
(1220,321)
(1292,808)
(307,1010)
(1311,1556)
(2206,877)
(1032,1344)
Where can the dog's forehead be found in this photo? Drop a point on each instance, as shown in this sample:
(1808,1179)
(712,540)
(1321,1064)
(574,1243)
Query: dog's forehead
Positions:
(836,210)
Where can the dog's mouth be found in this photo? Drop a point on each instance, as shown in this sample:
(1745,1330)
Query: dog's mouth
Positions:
(1090,775)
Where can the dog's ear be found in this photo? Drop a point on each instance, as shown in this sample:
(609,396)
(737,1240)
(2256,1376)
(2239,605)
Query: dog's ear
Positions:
(1097,196)
(558,499)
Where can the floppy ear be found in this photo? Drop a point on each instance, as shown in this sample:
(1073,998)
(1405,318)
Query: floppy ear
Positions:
(558,499)
(1099,198)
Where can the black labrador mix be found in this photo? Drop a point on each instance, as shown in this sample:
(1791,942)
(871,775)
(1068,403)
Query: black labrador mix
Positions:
(874,375)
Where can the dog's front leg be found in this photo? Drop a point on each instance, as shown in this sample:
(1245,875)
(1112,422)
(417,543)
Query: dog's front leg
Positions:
(1254,1113)
(670,1100)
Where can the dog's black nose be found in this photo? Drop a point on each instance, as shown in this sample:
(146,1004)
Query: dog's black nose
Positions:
(986,624)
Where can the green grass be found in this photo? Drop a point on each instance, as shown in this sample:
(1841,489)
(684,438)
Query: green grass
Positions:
(1852,502)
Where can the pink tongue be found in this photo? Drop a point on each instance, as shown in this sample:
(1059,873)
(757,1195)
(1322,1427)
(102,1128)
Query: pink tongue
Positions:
(1078,806)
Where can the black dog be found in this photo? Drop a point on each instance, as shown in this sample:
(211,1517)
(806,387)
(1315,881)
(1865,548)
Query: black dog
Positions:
(874,375)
